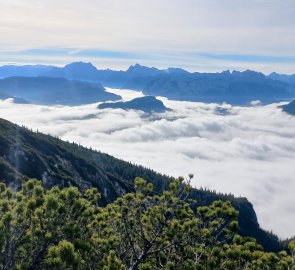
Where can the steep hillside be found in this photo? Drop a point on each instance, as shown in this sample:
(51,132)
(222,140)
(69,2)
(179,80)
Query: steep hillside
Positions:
(25,154)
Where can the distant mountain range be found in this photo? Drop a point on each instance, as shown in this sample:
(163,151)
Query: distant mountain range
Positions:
(232,87)
(46,90)
(23,71)
(25,154)
(146,104)
(282,77)
(135,77)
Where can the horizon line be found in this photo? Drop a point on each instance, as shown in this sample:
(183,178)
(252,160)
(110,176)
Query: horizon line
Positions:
(21,64)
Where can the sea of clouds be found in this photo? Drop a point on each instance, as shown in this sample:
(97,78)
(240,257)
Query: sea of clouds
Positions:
(247,151)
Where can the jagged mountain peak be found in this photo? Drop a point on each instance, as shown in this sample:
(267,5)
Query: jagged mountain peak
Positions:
(248,73)
(138,69)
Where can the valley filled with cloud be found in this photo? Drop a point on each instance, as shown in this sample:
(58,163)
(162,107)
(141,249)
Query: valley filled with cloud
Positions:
(247,151)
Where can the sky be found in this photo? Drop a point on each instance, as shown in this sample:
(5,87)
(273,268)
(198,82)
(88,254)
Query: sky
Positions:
(245,151)
(198,35)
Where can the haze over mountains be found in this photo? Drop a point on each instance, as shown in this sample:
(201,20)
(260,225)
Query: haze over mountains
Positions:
(231,87)
(51,91)
(25,71)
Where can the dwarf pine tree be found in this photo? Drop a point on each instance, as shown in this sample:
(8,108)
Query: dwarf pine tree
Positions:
(67,229)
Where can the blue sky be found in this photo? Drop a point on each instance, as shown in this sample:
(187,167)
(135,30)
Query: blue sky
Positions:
(198,35)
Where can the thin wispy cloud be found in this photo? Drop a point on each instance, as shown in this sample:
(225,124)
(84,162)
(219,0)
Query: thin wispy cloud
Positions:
(247,151)
(254,33)
(248,58)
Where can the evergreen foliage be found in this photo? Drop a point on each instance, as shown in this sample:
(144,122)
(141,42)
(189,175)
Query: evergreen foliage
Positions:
(66,229)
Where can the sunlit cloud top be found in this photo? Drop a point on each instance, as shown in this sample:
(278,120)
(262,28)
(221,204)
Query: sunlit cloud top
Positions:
(199,35)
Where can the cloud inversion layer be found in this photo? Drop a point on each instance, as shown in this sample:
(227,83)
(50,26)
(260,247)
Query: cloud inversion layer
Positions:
(247,151)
